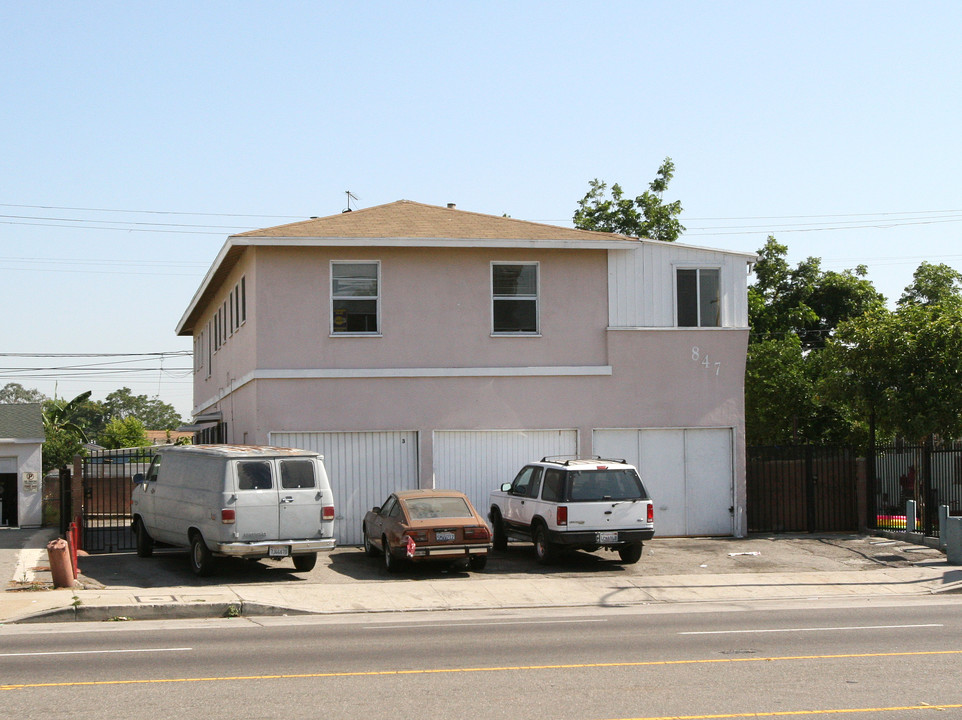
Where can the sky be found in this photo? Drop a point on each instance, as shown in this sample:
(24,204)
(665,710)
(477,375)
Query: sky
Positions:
(136,137)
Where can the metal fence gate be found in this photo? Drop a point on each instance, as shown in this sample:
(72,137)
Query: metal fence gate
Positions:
(107,484)
(802,488)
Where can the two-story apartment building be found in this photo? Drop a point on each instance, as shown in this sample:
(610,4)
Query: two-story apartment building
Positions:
(424,346)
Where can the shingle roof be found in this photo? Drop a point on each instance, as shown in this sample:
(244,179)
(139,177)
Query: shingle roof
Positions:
(21,421)
(407,219)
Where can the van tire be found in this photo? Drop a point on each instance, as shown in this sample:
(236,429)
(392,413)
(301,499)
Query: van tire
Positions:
(145,543)
(630,553)
(305,563)
(201,559)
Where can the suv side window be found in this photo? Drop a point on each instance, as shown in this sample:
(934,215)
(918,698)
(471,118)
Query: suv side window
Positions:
(554,485)
(535,485)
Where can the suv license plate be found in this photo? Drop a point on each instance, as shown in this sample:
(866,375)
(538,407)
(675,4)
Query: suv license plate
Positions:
(607,537)
(444,536)
(279,551)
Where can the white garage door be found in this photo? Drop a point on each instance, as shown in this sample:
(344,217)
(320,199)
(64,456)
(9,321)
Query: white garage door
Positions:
(688,473)
(364,467)
(478,461)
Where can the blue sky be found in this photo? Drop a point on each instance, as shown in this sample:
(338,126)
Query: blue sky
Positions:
(138,136)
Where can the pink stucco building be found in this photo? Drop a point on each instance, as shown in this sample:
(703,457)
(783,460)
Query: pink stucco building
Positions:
(424,346)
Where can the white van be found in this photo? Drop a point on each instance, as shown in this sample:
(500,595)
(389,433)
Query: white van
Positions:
(235,500)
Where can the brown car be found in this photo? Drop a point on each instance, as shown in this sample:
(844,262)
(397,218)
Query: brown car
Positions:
(427,526)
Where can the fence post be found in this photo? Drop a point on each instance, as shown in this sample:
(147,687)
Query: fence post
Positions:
(910,516)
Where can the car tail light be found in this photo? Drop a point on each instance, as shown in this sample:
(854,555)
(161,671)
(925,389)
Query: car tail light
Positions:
(476,533)
(651,512)
(562,517)
(418,535)
(227,516)
(327,512)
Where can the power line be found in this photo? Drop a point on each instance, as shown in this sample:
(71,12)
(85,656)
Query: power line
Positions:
(149,212)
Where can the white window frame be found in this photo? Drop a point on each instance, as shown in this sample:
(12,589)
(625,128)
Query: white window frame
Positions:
(699,269)
(508,298)
(375,298)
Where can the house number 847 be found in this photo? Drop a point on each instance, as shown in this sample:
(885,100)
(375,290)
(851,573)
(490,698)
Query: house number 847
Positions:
(702,359)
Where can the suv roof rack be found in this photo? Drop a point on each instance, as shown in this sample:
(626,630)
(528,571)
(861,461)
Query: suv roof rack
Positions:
(576,458)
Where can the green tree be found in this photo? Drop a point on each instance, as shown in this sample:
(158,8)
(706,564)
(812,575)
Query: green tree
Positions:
(933,285)
(125,432)
(646,216)
(65,433)
(781,400)
(16,394)
(155,414)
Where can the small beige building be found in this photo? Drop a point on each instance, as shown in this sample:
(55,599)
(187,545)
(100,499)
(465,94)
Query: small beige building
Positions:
(21,465)
(425,346)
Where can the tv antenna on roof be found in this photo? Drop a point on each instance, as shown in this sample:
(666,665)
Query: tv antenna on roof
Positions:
(350,196)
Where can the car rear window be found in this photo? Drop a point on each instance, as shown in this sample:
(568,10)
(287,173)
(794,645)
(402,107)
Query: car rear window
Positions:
(594,485)
(438,507)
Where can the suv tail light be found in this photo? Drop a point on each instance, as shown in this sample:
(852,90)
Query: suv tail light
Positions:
(476,533)
(227,516)
(562,516)
(327,512)
(651,512)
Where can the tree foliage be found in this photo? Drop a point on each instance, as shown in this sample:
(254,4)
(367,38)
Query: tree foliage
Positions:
(155,414)
(65,434)
(17,394)
(645,216)
(124,432)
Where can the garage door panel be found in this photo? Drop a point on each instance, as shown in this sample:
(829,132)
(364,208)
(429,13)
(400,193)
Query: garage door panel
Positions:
(364,468)
(476,462)
(708,471)
(663,471)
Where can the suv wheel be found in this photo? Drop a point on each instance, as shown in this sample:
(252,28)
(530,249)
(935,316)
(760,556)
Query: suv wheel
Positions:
(544,551)
(500,540)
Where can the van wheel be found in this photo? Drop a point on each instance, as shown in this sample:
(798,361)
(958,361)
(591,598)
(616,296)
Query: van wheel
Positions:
(630,553)
(544,551)
(145,543)
(500,540)
(391,563)
(305,563)
(201,559)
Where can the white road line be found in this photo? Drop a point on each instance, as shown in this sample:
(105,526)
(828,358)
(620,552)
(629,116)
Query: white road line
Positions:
(816,629)
(93,652)
(482,624)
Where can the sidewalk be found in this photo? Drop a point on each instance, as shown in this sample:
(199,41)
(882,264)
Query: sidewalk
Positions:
(728,570)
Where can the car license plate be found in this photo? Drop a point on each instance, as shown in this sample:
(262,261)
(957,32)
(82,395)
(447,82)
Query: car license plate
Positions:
(444,536)
(279,551)
(607,537)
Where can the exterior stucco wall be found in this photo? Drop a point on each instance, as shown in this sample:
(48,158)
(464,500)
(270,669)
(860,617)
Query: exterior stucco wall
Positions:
(29,458)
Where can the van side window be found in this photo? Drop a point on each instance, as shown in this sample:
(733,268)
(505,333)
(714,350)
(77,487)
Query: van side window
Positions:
(297,474)
(254,475)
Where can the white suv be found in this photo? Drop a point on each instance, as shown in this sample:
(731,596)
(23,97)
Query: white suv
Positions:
(583,504)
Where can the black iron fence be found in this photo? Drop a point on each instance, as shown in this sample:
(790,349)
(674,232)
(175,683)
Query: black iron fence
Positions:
(804,488)
(107,485)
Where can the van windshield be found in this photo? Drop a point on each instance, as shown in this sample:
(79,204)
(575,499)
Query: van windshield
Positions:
(593,485)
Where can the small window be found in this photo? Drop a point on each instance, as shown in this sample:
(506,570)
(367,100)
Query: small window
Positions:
(554,485)
(388,506)
(297,474)
(254,475)
(355,288)
(514,297)
(698,297)
(154,469)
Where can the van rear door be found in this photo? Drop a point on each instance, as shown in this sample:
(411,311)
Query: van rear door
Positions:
(301,499)
(257,516)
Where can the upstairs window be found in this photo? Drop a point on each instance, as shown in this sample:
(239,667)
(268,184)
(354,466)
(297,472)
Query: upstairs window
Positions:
(514,297)
(355,298)
(698,297)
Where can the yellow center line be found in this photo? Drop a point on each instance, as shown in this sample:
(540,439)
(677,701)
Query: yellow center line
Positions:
(800,713)
(443,671)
